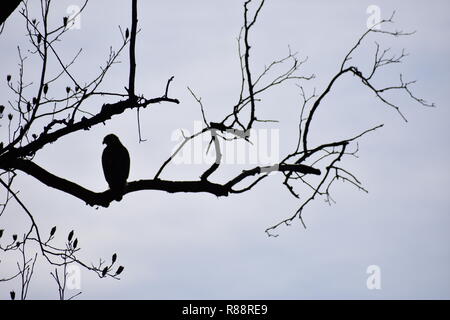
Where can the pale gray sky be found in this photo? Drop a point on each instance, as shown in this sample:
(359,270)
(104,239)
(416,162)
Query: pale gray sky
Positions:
(188,246)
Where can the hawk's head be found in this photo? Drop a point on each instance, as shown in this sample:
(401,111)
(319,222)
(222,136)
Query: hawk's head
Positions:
(111,139)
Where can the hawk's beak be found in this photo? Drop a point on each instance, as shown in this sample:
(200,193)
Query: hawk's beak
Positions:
(104,141)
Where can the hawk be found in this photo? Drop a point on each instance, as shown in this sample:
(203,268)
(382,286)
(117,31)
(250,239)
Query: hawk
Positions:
(116,165)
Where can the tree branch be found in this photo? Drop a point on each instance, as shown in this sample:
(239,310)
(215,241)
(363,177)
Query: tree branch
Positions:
(134,21)
(104,198)
(106,113)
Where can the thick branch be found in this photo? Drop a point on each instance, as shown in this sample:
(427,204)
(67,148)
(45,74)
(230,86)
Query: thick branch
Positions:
(300,168)
(134,21)
(108,110)
(105,198)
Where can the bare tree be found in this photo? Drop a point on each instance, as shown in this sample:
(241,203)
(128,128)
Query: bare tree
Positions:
(315,166)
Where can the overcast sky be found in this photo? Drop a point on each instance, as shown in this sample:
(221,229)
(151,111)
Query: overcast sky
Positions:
(196,246)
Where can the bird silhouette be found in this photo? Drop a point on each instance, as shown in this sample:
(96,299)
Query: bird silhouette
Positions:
(116,165)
